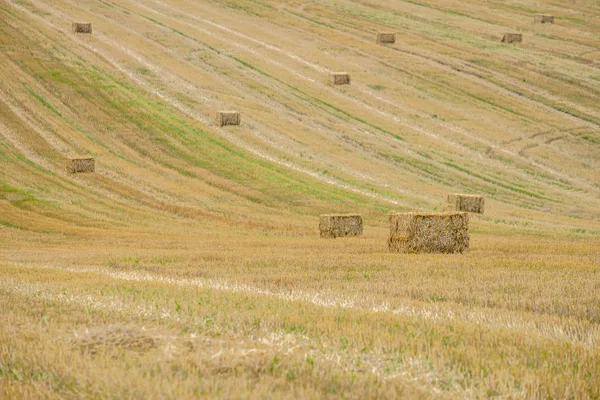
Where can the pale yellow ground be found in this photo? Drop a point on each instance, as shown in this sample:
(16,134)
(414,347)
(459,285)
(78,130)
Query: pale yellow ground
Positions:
(189,263)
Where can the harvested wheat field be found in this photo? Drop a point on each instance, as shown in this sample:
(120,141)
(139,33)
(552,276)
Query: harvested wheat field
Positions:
(189,264)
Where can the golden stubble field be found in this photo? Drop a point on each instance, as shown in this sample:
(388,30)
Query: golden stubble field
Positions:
(189,264)
(148,317)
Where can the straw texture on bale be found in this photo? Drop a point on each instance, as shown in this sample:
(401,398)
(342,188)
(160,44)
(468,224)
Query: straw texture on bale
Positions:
(339,225)
(543,19)
(79,27)
(228,118)
(77,165)
(386,37)
(512,38)
(429,232)
(340,78)
(466,202)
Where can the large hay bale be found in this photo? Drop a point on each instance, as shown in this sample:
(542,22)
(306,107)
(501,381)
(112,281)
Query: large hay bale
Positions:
(79,27)
(339,225)
(386,37)
(512,38)
(77,165)
(429,232)
(466,202)
(340,78)
(543,19)
(228,118)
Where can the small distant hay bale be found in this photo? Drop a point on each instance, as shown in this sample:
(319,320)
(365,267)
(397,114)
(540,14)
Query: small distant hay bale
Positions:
(79,27)
(386,37)
(543,19)
(512,38)
(77,165)
(429,232)
(340,78)
(340,225)
(228,118)
(466,202)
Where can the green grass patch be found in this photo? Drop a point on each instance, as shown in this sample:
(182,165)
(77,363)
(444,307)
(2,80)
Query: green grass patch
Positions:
(44,102)
(377,87)
(7,224)
(574,20)
(59,77)
(219,156)
(591,139)
(7,190)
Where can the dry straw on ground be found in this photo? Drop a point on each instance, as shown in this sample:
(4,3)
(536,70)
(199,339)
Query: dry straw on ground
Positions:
(340,78)
(228,118)
(339,225)
(76,165)
(466,202)
(386,37)
(106,339)
(512,38)
(429,232)
(543,19)
(81,27)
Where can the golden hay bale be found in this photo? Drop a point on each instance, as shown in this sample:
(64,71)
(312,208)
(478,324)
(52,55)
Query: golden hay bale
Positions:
(429,232)
(386,37)
(543,19)
(81,27)
(228,118)
(466,202)
(340,78)
(339,225)
(76,165)
(512,38)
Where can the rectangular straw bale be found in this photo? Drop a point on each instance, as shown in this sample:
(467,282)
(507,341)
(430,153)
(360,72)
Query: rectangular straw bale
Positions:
(386,37)
(339,225)
(512,38)
(429,232)
(228,118)
(543,19)
(340,78)
(77,165)
(466,202)
(79,27)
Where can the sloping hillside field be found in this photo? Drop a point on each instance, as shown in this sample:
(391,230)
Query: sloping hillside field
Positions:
(183,259)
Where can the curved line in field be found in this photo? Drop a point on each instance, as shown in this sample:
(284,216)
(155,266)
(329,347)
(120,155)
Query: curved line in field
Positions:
(589,336)
(162,74)
(364,90)
(414,371)
(191,113)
